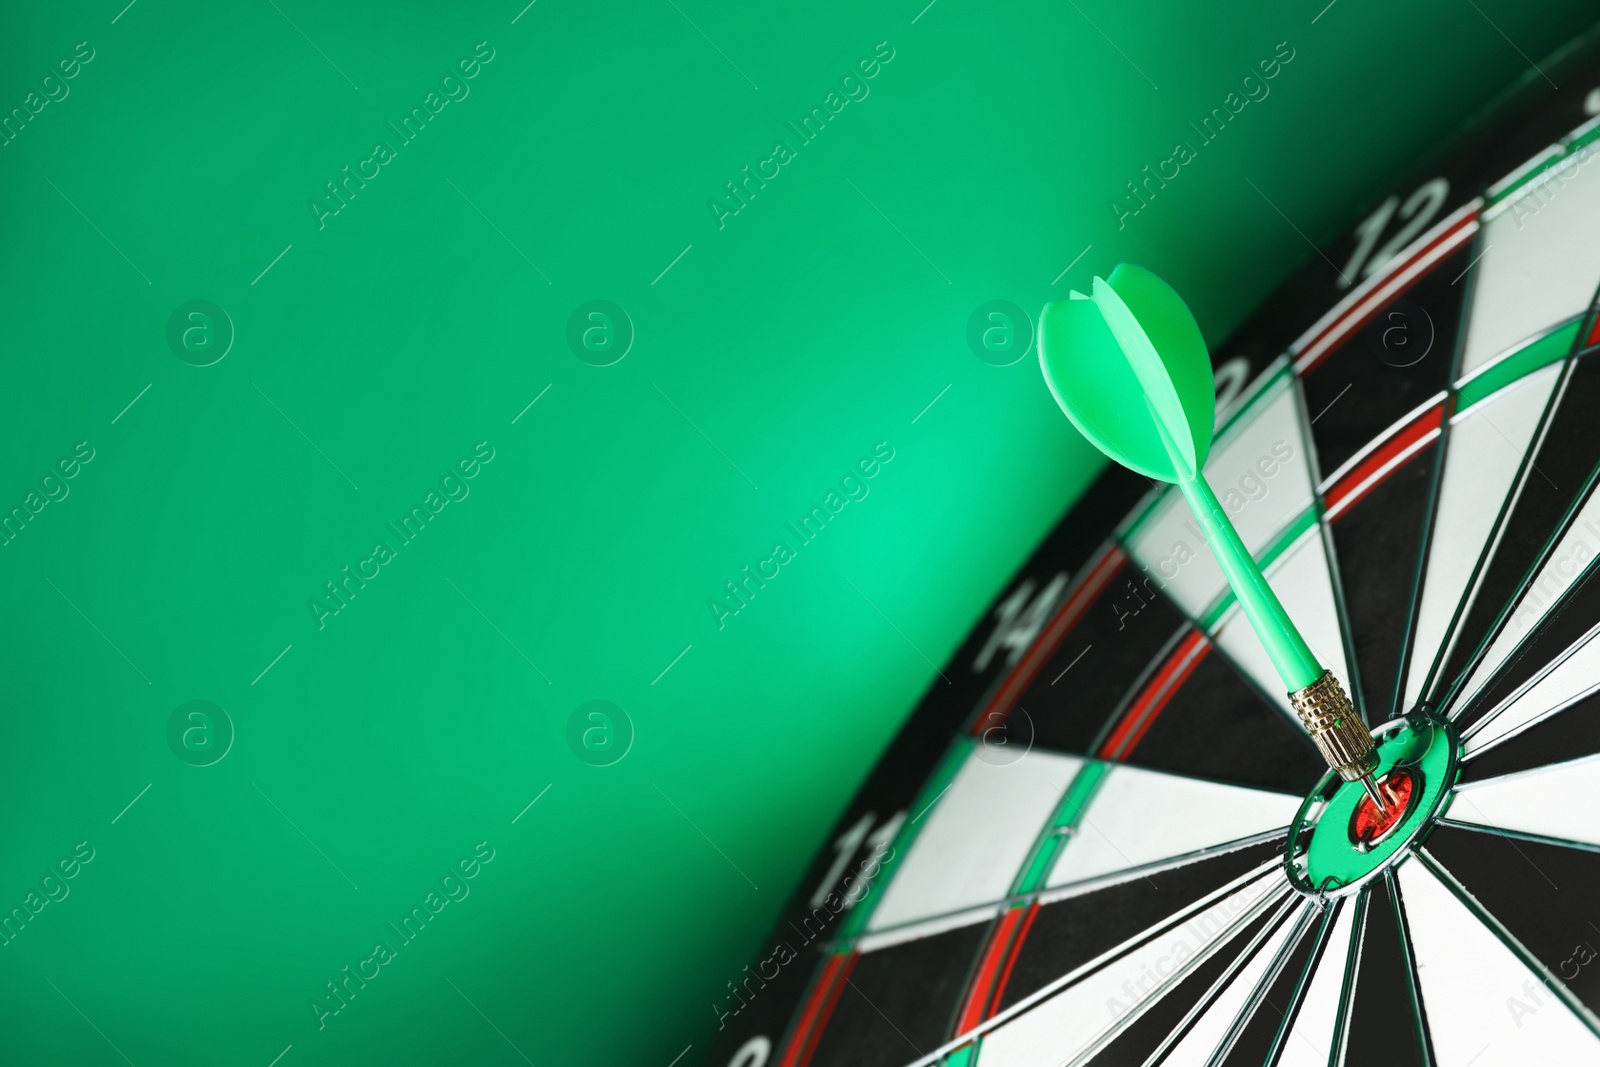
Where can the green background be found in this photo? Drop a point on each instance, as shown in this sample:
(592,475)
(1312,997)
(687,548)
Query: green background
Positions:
(379,350)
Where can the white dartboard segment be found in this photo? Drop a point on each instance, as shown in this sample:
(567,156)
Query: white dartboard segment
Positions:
(1196,1047)
(1540,263)
(1573,676)
(1259,471)
(977,837)
(1483,454)
(1569,561)
(1560,801)
(1485,1007)
(1066,1025)
(1310,1039)
(1140,817)
(1301,579)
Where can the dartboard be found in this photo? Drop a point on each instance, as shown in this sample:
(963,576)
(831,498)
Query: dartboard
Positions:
(1104,837)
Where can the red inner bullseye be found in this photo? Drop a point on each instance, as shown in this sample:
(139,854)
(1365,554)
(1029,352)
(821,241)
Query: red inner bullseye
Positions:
(1369,825)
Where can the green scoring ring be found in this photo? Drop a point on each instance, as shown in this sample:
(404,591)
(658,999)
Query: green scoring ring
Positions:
(1321,859)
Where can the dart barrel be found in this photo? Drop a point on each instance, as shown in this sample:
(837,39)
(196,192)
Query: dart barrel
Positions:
(1327,714)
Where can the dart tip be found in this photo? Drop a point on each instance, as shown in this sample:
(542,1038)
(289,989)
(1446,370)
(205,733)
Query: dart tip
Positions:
(1371,786)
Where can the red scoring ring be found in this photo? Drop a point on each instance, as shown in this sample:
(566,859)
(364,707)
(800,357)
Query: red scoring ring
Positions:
(1369,825)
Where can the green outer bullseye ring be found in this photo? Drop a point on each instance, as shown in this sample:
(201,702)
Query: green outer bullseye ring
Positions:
(1329,864)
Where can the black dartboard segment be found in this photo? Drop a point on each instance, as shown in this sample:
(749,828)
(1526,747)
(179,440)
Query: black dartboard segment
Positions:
(1390,368)
(1069,933)
(1569,618)
(1259,1034)
(1383,1026)
(1092,675)
(1376,536)
(1150,1031)
(1540,892)
(1259,746)
(897,1002)
(1106,768)
(1560,471)
(1572,734)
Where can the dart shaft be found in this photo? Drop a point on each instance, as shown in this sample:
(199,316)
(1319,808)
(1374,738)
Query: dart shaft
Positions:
(1290,654)
(1319,700)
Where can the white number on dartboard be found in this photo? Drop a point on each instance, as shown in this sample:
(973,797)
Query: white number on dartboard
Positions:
(845,847)
(1018,621)
(752,1053)
(1416,213)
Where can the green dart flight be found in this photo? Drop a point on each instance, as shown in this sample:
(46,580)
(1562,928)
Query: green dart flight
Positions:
(1129,367)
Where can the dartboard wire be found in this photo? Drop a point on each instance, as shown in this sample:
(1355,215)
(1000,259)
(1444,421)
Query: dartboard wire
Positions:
(869,941)
(1261,392)
(1382,438)
(976,1035)
(1330,557)
(1347,984)
(1051,894)
(1431,681)
(1448,688)
(1419,1017)
(1084,588)
(1435,477)
(1241,960)
(1493,204)
(1061,826)
(1053,831)
(943,774)
(1512,836)
(1198,625)
(1448,697)
(1310,912)
(1272,890)
(1537,770)
(1394,279)
(944,770)
(1509,940)
(1285,715)
(953,1018)
(1543,714)
(797,1042)
(1291,1010)
(1397,277)
(1146,674)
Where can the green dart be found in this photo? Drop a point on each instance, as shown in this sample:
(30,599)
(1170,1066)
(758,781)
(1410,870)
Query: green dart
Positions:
(1129,367)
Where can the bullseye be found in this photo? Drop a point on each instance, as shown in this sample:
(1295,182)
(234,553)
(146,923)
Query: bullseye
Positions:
(1351,840)
(1369,824)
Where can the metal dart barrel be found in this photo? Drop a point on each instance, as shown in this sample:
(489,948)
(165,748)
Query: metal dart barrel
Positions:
(1327,714)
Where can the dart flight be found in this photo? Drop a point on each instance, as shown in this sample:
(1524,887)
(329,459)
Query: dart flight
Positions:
(1129,367)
